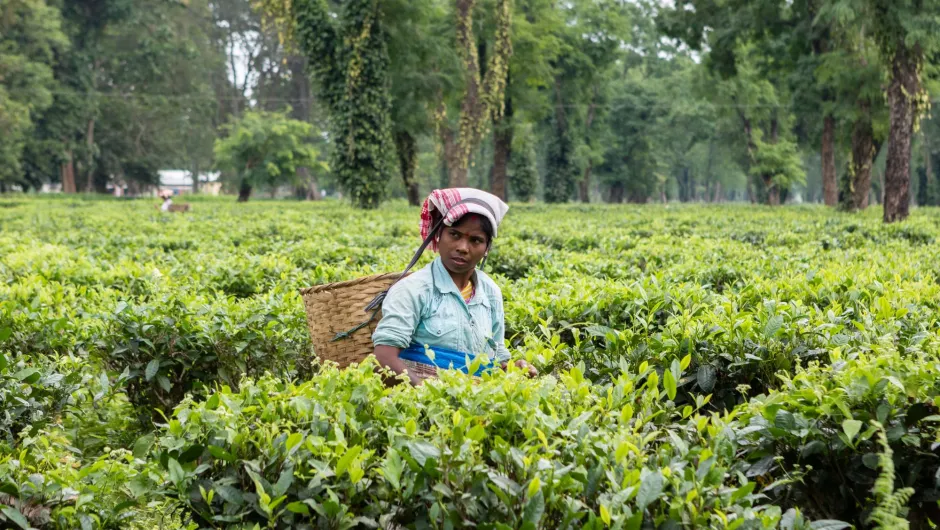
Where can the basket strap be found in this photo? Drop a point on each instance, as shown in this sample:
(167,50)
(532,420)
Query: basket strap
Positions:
(376,304)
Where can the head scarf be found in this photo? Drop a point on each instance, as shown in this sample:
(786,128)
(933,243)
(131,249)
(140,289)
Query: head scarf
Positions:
(441,201)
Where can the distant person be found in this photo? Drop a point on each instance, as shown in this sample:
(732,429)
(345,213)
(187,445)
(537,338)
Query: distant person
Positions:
(167,202)
(449,306)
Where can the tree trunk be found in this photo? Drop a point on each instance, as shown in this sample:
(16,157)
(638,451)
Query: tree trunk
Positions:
(244,191)
(502,149)
(684,191)
(584,187)
(616,192)
(773,193)
(406,147)
(830,187)
(751,153)
(456,174)
(310,187)
(881,187)
(904,88)
(68,174)
(717,191)
(90,157)
(195,177)
(863,156)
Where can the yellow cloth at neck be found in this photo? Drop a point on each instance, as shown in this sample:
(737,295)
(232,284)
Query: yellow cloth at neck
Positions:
(467,292)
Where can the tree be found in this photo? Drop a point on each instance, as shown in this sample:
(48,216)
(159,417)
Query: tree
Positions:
(523,172)
(131,95)
(423,65)
(30,35)
(482,94)
(265,149)
(855,75)
(907,32)
(561,173)
(347,51)
(591,42)
(795,37)
(537,30)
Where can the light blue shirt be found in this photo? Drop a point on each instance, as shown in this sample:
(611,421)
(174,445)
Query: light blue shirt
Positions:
(426,308)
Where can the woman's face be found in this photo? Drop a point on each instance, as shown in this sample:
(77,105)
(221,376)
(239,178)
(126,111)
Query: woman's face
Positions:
(463,245)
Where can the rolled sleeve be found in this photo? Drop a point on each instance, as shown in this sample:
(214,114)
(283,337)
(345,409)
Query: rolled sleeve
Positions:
(499,330)
(400,314)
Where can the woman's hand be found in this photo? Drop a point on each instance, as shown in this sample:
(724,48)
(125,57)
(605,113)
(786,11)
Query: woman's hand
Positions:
(532,372)
(388,357)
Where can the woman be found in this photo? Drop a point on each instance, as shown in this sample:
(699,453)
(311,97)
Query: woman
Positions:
(448,311)
(167,201)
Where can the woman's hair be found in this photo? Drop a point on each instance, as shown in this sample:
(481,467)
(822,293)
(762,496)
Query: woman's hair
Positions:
(485,223)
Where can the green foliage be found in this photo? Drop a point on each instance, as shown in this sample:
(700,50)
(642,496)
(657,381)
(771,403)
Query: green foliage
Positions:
(780,162)
(523,171)
(30,35)
(348,55)
(265,149)
(888,513)
(561,173)
(740,354)
(560,454)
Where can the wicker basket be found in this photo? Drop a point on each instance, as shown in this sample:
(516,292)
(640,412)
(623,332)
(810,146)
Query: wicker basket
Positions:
(337,308)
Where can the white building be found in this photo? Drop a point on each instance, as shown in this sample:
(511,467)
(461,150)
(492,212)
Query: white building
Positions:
(180,181)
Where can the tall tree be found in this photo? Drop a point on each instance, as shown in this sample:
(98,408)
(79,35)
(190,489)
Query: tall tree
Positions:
(537,33)
(145,63)
(347,50)
(907,32)
(482,95)
(590,43)
(30,35)
(423,65)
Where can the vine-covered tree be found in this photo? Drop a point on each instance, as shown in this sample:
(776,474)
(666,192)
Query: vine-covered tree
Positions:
(482,94)
(346,46)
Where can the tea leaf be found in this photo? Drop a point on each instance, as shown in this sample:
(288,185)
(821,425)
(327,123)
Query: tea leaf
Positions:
(851,428)
(177,475)
(298,507)
(347,459)
(669,383)
(650,490)
(16,516)
(152,368)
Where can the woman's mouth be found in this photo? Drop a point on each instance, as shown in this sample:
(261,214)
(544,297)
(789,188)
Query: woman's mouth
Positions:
(458,261)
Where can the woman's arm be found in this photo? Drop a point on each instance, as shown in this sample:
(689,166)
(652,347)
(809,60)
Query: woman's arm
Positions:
(388,357)
(400,314)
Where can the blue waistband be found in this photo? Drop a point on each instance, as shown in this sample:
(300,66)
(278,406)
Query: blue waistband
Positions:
(444,358)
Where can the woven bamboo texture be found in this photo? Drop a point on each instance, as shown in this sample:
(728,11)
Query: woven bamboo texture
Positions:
(338,307)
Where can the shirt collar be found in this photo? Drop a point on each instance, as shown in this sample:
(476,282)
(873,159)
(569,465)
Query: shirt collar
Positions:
(445,284)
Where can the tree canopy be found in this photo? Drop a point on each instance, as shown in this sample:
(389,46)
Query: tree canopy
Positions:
(766,101)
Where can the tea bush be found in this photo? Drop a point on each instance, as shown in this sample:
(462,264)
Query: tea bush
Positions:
(702,366)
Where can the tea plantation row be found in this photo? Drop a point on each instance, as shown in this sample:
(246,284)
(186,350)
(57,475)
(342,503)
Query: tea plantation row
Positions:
(728,367)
